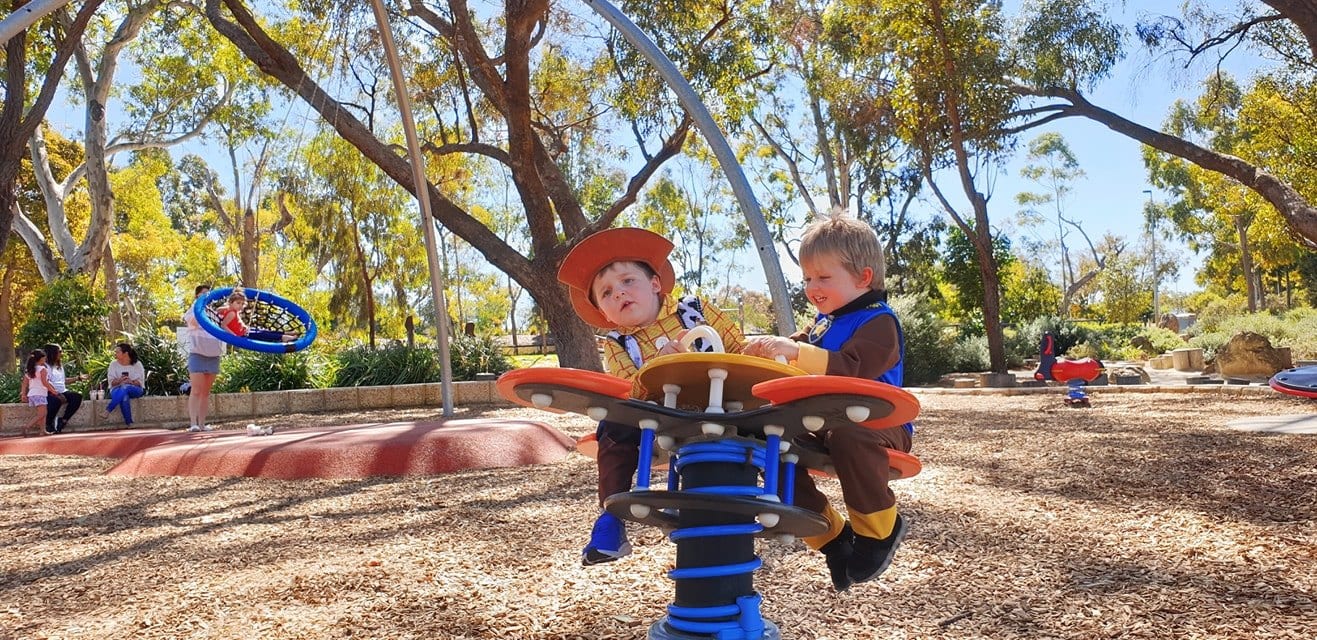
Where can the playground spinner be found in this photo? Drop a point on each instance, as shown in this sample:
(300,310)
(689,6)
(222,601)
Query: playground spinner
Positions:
(720,423)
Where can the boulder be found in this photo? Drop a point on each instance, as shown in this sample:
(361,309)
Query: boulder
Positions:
(1125,372)
(1249,355)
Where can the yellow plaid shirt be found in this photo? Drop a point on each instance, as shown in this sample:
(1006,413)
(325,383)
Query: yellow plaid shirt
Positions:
(618,362)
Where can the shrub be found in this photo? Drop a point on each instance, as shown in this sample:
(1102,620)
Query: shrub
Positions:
(400,364)
(970,354)
(9,386)
(1210,343)
(165,365)
(246,370)
(1162,340)
(66,312)
(927,352)
(477,355)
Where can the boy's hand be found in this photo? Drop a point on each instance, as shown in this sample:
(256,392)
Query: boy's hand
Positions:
(673,345)
(771,347)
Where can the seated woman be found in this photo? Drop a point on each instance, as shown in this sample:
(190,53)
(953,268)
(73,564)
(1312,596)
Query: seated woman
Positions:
(127,380)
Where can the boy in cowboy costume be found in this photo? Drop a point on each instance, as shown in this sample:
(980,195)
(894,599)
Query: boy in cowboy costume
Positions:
(854,334)
(620,280)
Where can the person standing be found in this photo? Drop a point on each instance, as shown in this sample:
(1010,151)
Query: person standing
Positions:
(203,361)
(35,387)
(66,398)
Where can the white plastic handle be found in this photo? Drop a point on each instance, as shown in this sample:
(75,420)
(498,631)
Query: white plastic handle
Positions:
(703,331)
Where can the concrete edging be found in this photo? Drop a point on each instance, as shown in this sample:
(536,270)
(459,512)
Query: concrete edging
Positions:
(171,411)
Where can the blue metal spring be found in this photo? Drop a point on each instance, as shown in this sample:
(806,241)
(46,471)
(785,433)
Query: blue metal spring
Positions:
(724,621)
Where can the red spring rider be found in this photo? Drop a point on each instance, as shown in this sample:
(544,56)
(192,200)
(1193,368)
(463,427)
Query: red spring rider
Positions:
(1073,373)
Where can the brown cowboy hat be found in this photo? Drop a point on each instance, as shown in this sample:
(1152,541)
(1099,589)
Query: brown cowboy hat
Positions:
(591,255)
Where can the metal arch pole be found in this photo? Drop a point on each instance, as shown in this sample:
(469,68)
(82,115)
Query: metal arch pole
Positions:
(422,187)
(777,285)
(26,15)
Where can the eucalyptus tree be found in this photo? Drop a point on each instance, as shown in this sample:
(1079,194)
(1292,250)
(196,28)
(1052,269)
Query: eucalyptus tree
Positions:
(950,103)
(1062,43)
(476,79)
(21,113)
(157,118)
(1054,168)
(357,228)
(824,117)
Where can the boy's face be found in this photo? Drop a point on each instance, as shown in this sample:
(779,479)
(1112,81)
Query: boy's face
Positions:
(626,295)
(829,286)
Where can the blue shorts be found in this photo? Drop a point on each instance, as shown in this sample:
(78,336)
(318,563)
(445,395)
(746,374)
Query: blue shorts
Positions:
(202,364)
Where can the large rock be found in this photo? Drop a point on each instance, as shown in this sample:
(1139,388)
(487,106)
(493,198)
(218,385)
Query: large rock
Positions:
(1126,372)
(1249,355)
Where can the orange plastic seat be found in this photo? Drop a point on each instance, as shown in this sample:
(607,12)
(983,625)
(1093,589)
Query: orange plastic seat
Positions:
(899,406)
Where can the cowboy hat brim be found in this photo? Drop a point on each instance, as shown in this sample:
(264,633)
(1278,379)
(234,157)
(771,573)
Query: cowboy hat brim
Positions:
(601,249)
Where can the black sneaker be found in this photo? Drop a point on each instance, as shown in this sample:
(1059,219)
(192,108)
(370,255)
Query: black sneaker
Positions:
(871,556)
(60,423)
(837,553)
(50,431)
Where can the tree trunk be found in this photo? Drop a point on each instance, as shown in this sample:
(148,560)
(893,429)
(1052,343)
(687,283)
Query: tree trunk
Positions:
(539,183)
(111,271)
(8,358)
(981,234)
(1246,263)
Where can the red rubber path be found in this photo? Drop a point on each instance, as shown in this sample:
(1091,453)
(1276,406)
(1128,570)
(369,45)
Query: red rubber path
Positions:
(352,451)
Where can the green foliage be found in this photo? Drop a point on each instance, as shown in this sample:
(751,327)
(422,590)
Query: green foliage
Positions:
(68,313)
(246,370)
(1163,340)
(9,386)
(961,264)
(927,345)
(1210,343)
(400,364)
(970,354)
(165,364)
(1295,329)
(477,355)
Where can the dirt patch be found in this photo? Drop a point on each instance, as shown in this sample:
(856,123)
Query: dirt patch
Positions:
(1142,517)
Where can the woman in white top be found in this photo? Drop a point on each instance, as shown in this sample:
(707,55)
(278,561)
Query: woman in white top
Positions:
(70,400)
(127,379)
(203,362)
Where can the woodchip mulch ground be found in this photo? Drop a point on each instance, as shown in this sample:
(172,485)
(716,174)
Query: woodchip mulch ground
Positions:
(1142,517)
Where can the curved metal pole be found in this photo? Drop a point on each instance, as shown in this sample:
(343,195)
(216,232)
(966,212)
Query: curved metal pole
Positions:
(26,15)
(422,186)
(754,216)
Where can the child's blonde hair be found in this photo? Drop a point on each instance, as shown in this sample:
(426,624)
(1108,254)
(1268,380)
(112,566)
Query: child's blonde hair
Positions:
(852,242)
(238,294)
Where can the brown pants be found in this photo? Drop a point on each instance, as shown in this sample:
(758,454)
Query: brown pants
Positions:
(860,457)
(619,455)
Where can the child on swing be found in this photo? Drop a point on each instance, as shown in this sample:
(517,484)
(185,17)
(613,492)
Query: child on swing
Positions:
(620,280)
(35,387)
(231,320)
(854,334)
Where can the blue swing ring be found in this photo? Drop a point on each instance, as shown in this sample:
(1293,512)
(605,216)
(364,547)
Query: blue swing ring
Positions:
(295,319)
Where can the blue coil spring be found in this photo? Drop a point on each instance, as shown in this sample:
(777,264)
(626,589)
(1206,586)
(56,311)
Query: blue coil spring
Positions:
(713,620)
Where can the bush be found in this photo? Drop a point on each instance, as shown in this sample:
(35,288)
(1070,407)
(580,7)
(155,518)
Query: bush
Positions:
(400,364)
(9,386)
(1162,340)
(68,313)
(1210,343)
(477,355)
(970,354)
(246,370)
(927,349)
(165,365)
